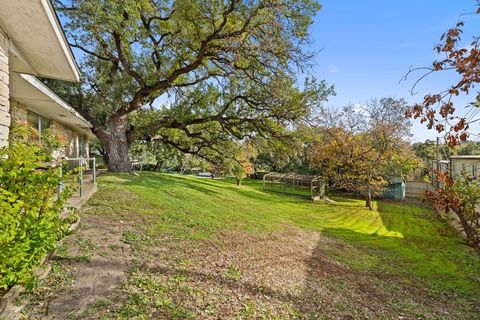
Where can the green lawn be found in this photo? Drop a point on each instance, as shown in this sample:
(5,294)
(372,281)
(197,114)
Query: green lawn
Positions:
(400,257)
(400,238)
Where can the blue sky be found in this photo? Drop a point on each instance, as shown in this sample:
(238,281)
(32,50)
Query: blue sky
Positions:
(368,46)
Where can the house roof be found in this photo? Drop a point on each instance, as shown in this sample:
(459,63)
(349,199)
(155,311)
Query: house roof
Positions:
(30,91)
(37,42)
(473,157)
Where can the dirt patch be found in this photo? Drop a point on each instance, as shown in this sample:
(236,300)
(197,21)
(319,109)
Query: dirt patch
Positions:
(111,269)
(89,265)
(287,275)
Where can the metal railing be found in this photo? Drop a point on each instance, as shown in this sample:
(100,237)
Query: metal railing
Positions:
(81,164)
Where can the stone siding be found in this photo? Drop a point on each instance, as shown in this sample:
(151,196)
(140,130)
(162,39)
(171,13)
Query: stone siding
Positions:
(18,111)
(70,137)
(4,90)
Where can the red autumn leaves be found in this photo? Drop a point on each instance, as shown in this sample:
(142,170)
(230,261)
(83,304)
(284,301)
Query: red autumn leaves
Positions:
(437,110)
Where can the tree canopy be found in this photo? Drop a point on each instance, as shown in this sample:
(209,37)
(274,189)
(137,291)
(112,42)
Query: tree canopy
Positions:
(191,74)
(360,148)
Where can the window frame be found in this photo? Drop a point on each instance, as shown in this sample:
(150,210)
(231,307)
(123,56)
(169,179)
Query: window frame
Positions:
(38,120)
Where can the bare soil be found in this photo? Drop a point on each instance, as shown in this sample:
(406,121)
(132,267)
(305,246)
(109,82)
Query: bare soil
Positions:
(112,268)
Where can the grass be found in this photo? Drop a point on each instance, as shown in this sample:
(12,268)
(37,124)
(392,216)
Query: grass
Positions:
(207,249)
(399,238)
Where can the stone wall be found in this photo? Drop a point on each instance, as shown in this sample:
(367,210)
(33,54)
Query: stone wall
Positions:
(4,90)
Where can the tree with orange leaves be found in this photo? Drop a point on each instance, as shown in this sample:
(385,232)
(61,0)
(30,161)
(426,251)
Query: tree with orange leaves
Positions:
(462,198)
(362,148)
(359,162)
(461,195)
(240,164)
(241,167)
(437,109)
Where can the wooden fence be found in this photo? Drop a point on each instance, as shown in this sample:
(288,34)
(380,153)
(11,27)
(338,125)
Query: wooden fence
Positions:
(416,189)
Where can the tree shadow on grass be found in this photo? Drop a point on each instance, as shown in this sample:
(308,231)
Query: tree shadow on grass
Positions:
(212,187)
(267,195)
(336,283)
(164,182)
(390,277)
(330,289)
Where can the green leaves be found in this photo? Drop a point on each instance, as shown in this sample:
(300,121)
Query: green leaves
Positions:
(205,55)
(30,208)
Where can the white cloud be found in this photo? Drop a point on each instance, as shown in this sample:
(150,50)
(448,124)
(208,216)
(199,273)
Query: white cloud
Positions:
(333,69)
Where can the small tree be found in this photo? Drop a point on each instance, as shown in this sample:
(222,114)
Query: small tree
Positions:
(153,151)
(189,161)
(355,162)
(359,149)
(214,169)
(241,167)
(462,197)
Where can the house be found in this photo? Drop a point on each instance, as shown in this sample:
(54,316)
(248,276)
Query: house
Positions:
(33,46)
(456,166)
(465,164)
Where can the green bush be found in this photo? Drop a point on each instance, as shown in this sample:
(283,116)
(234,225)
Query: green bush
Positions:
(30,205)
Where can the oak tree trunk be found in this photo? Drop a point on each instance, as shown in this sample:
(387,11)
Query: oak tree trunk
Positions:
(158,166)
(116,145)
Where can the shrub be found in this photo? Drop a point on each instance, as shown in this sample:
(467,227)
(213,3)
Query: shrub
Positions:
(462,197)
(30,205)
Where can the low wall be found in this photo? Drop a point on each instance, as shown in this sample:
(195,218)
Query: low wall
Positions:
(417,189)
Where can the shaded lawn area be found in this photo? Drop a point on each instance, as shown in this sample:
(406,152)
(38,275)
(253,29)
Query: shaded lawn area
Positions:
(201,248)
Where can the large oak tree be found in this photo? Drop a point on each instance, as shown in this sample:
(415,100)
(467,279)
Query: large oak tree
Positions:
(190,73)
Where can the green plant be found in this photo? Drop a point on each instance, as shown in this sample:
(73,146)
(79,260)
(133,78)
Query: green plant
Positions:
(248,309)
(30,205)
(233,273)
(131,237)
(462,197)
(51,142)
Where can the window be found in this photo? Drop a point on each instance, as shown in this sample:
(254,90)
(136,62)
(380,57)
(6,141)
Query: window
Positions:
(81,145)
(37,121)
